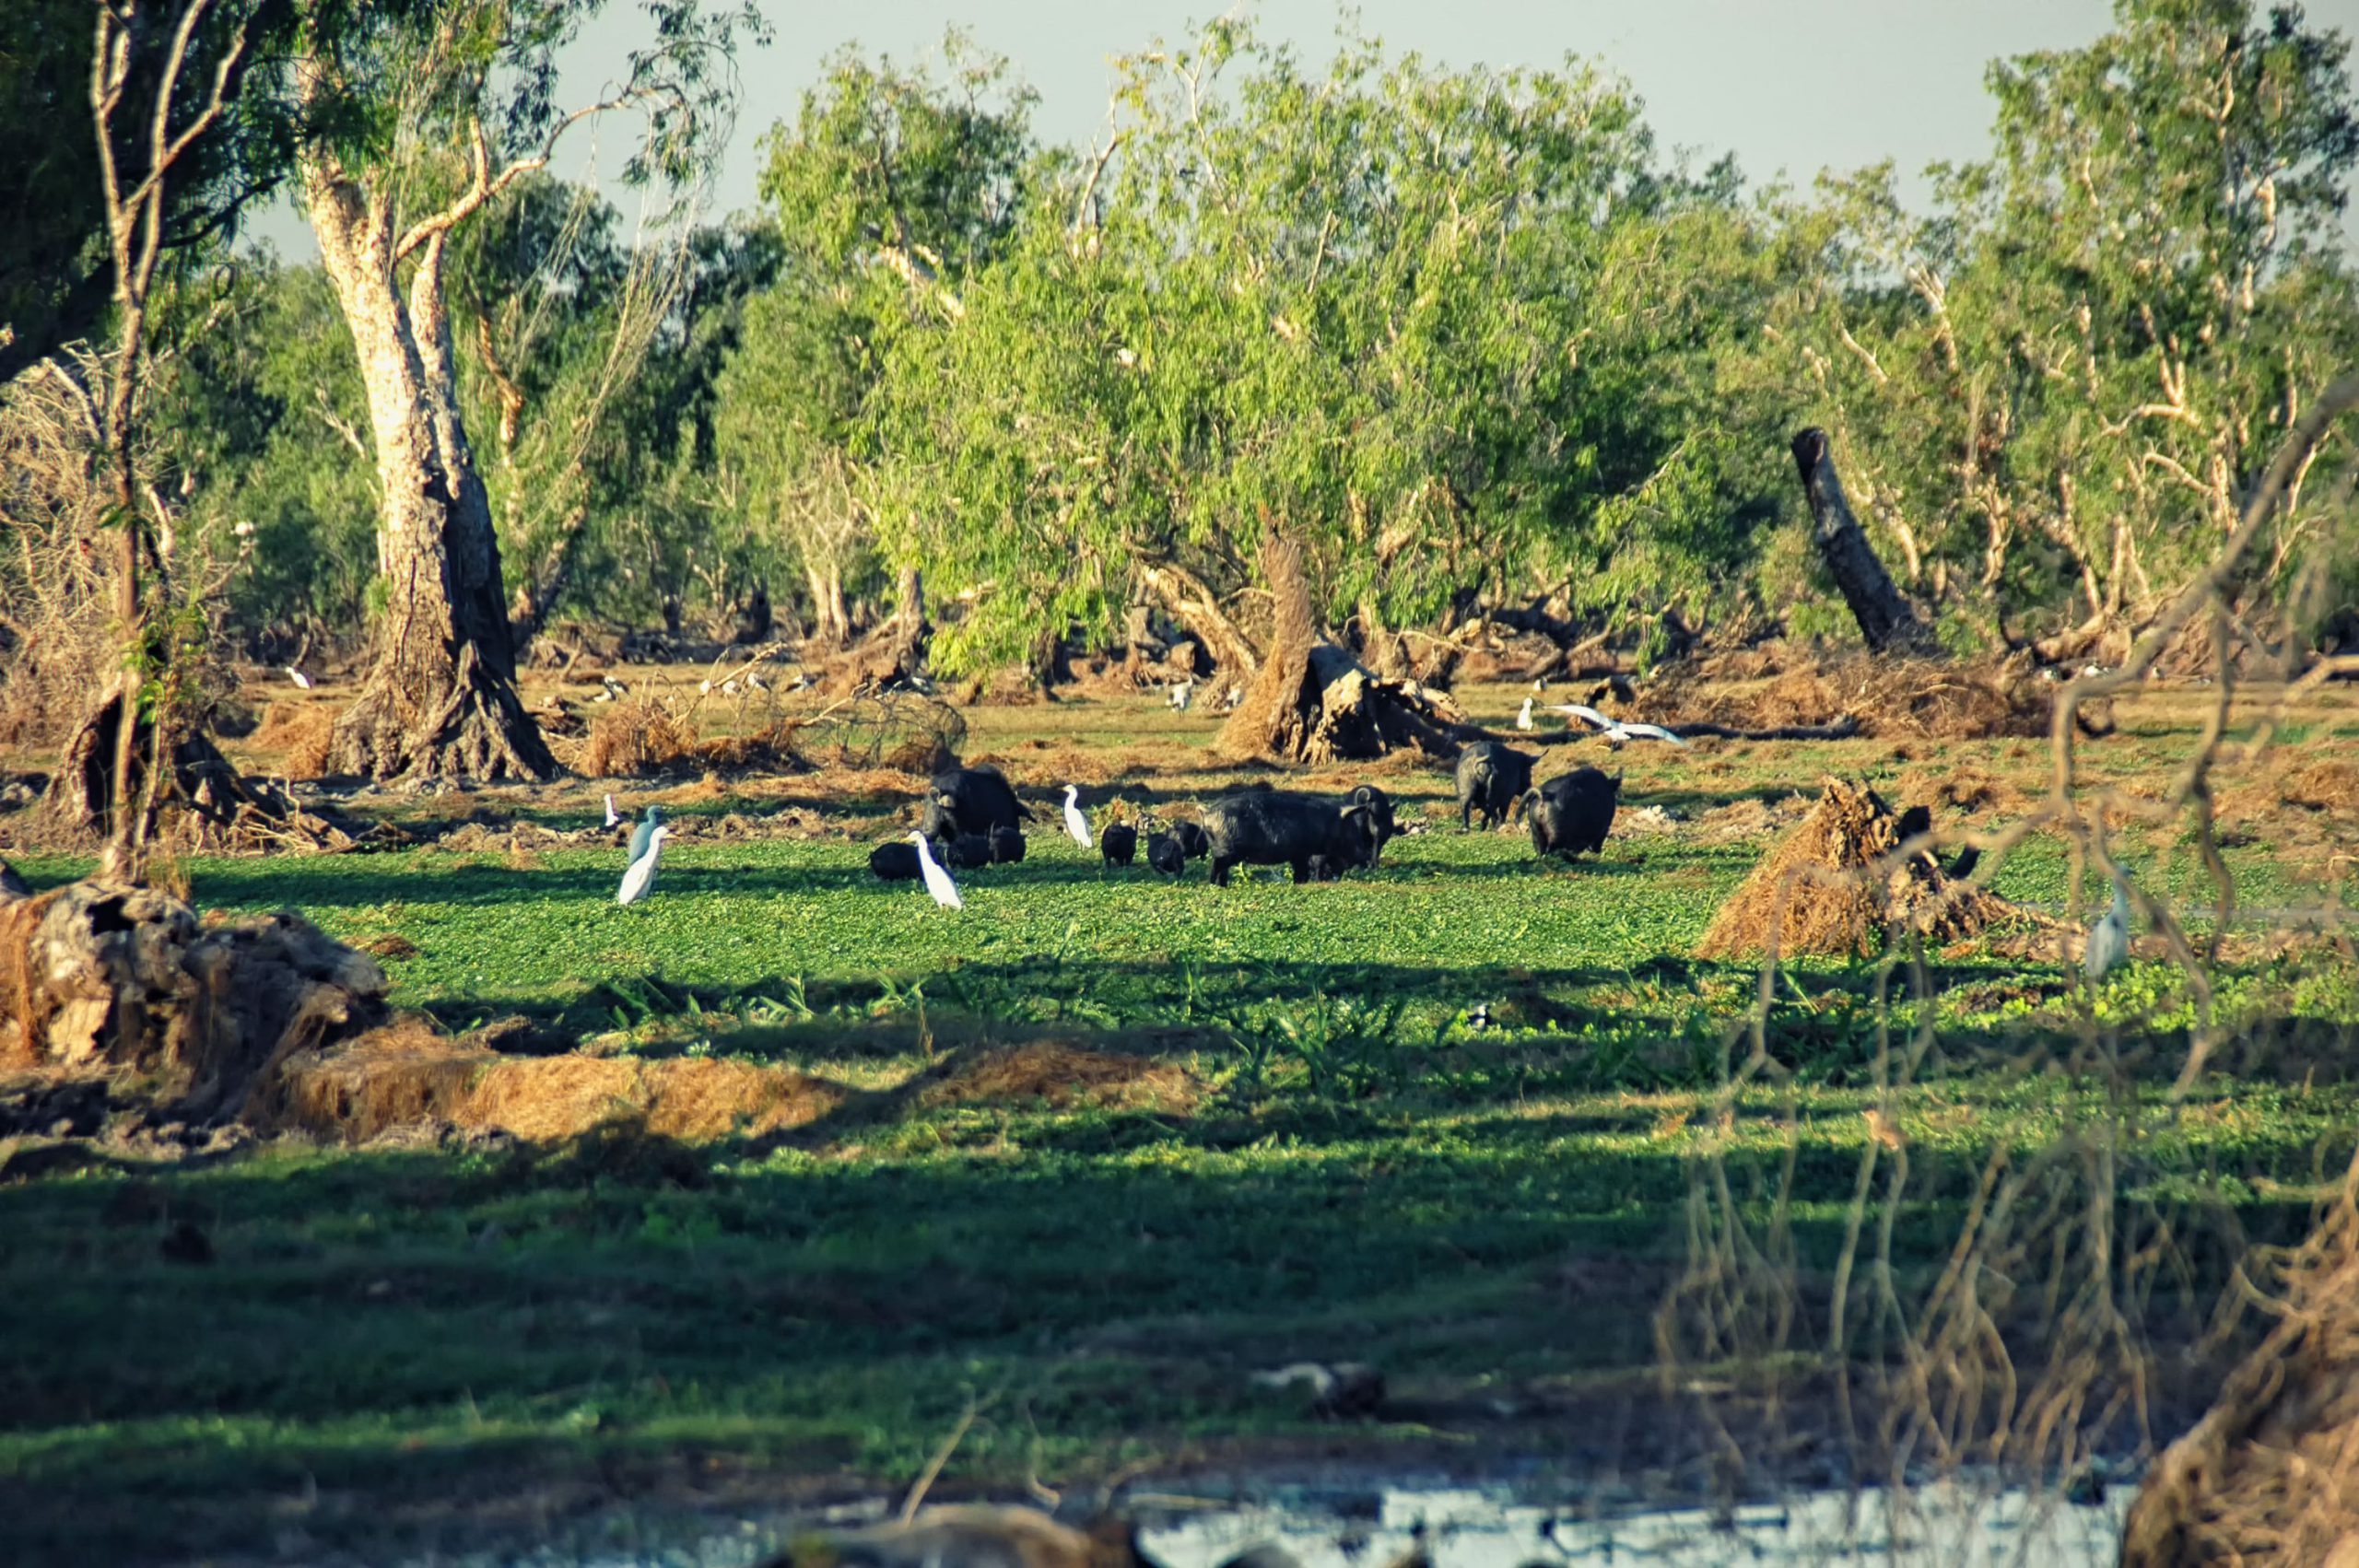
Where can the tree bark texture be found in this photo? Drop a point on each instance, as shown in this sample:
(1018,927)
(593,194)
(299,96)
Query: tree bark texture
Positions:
(441,696)
(1885,617)
(1195,606)
(99,976)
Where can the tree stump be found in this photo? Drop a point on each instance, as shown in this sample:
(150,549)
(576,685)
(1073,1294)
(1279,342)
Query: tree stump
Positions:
(1313,702)
(100,976)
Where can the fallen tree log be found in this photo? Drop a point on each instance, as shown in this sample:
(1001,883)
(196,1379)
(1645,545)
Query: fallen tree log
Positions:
(1885,617)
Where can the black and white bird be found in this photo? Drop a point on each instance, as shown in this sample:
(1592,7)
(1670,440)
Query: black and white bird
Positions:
(641,878)
(937,880)
(1075,824)
(1616,731)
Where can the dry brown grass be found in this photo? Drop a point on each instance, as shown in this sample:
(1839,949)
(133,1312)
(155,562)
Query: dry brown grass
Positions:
(1825,889)
(1063,1076)
(1891,698)
(1964,786)
(638,735)
(405,1073)
(2330,786)
(299,734)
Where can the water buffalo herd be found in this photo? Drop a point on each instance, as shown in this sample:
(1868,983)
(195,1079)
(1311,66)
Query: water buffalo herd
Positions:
(972,818)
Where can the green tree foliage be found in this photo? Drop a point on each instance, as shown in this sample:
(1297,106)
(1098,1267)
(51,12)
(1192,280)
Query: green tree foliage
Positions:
(56,280)
(892,191)
(1452,330)
(2054,393)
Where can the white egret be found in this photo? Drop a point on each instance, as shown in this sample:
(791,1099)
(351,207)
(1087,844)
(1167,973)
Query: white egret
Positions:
(937,880)
(1523,714)
(2108,942)
(300,678)
(1615,730)
(614,818)
(645,831)
(641,875)
(1075,824)
(1182,694)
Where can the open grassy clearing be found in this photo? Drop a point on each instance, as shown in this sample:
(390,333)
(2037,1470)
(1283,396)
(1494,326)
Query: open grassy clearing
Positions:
(1311,1153)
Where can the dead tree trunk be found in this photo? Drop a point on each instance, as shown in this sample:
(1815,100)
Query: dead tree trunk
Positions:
(1885,617)
(1195,606)
(440,698)
(1313,702)
(911,632)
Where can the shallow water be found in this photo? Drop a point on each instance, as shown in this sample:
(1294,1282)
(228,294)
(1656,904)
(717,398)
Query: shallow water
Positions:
(1943,1526)
(1947,1525)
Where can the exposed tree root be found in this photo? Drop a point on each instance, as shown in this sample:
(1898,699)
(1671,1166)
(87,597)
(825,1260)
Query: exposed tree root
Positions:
(478,729)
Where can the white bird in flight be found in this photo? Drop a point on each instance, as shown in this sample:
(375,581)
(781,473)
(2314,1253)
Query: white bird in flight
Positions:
(1075,824)
(613,816)
(1523,717)
(937,880)
(641,875)
(2108,942)
(1615,730)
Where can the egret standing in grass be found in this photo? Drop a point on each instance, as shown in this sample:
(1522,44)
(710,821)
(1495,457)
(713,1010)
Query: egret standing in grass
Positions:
(644,832)
(1075,824)
(1613,729)
(2108,942)
(1523,714)
(937,880)
(641,875)
(614,818)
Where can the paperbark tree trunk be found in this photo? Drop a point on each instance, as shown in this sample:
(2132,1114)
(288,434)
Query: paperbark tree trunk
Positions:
(440,698)
(831,620)
(1885,617)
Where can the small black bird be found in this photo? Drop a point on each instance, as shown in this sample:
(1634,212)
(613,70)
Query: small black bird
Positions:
(1119,843)
(1162,854)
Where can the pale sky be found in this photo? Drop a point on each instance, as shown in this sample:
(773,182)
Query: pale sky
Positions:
(1791,87)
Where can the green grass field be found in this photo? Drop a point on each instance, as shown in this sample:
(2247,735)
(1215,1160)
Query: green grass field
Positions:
(412,1346)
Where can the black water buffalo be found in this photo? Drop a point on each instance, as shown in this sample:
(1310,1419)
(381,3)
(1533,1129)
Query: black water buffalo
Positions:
(969,800)
(897,862)
(1317,836)
(1007,846)
(968,851)
(1118,843)
(1193,843)
(1163,853)
(1571,813)
(1493,780)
